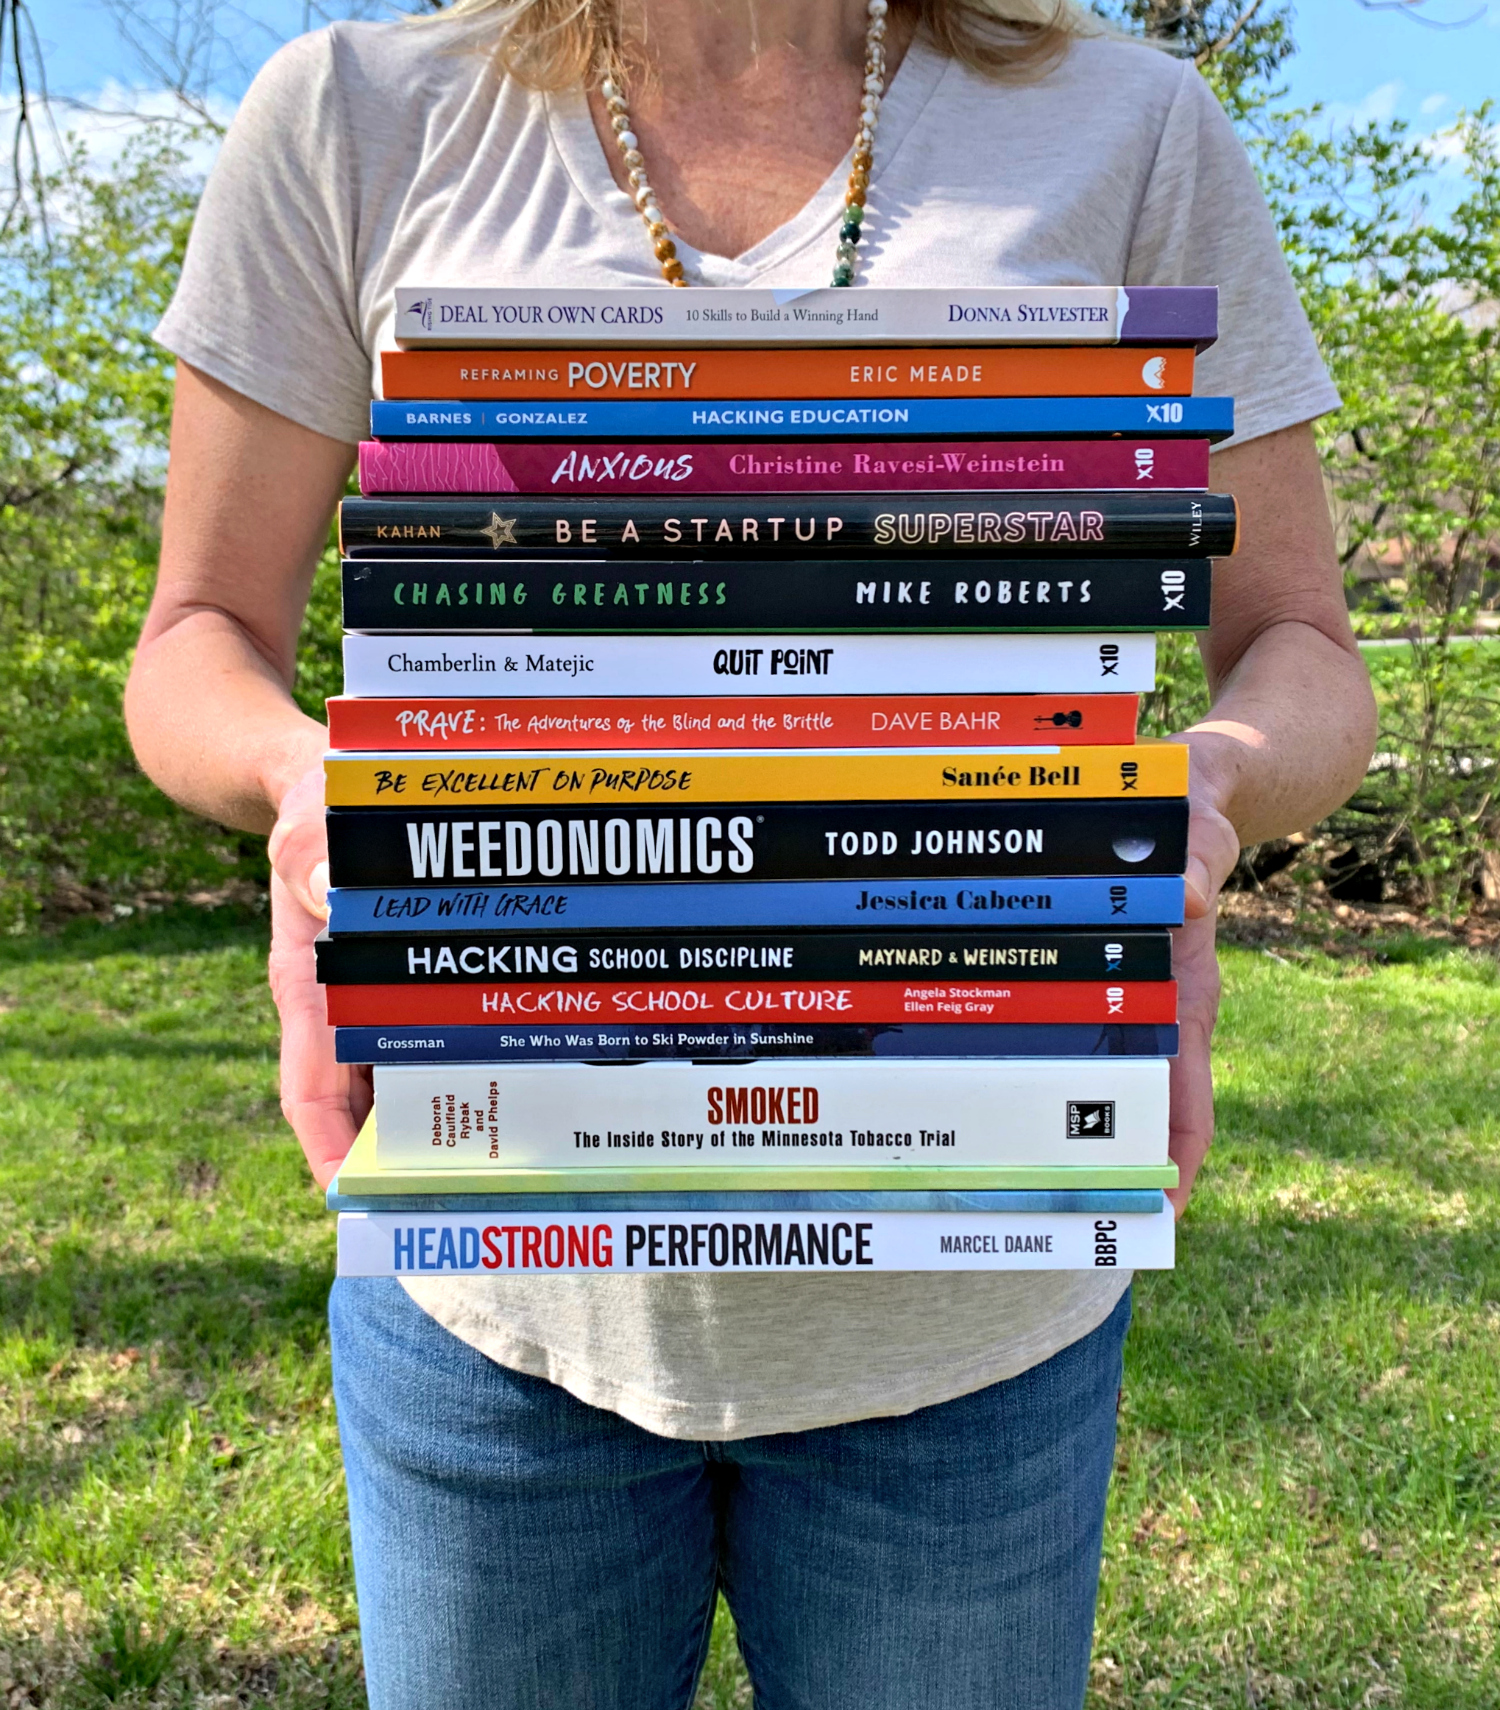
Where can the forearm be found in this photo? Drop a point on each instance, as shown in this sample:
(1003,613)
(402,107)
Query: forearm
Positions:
(1289,734)
(209,703)
(213,723)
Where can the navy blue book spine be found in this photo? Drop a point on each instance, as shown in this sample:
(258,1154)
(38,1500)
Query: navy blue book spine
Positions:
(908,418)
(591,1043)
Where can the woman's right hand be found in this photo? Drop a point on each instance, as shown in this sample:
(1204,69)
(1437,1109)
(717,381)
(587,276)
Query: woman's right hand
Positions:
(325,1101)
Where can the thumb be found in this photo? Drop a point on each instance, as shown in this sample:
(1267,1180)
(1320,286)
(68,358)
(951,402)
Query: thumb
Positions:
(298,850)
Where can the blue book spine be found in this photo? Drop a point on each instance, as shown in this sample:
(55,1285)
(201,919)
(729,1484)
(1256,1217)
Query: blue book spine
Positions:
(1094,1202)
(593,1044)
(944,418)
(1145,901)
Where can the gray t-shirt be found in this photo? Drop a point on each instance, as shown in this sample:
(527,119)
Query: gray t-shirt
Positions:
(367,156)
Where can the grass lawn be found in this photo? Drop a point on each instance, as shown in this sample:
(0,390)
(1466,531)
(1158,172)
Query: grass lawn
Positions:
(1309,1479)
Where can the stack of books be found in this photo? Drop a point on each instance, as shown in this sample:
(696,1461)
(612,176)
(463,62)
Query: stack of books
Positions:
(742,855)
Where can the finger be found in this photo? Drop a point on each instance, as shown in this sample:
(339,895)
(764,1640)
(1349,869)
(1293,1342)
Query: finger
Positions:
(325,1128)
(1213,850)
(318,1094)
(1192,1112)
(1192,1121)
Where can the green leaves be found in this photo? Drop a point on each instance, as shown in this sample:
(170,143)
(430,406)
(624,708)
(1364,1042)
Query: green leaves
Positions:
(85,404)
(1400,273)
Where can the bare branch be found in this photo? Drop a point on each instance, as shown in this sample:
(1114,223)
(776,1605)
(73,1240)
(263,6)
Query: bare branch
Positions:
(1413,9)
(1211,50)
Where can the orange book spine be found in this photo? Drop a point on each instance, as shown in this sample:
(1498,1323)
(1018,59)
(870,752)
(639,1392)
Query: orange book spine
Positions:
(684,722)
(985,372)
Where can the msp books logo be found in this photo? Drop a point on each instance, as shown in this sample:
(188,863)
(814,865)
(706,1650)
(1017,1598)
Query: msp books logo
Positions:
(1094,1121)
(422,309)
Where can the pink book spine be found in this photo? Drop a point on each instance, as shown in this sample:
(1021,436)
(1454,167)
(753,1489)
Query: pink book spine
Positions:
(458,466)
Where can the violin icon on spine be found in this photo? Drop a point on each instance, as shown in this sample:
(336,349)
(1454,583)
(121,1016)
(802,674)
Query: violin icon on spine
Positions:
(1060,720)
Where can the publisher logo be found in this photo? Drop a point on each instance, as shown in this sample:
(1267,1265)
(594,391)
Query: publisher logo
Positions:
(1091,1121)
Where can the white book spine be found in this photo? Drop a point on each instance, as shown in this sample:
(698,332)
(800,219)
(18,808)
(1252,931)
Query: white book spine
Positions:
(451,665)
(1015,314)
(445,1243)
(825,1112)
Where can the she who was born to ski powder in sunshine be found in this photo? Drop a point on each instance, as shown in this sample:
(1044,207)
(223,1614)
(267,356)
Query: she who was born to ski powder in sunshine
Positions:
(898,1479)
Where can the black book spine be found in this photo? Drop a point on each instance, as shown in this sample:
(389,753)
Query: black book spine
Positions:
(1038,525)
(776,596)
(387,958)
(759,840)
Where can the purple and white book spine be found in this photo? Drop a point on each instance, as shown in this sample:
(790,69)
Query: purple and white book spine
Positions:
(464,317)
(478,466)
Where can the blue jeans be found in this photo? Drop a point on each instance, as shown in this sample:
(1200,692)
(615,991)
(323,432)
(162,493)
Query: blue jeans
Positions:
(515,1548)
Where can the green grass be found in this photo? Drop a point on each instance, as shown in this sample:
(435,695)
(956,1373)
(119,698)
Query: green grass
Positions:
(1306,1506)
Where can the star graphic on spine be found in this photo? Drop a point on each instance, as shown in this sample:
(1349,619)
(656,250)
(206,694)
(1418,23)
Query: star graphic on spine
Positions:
(501,530)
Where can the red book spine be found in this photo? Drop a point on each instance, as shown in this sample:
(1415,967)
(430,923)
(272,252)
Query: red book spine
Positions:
(683,722)
(443,1004)
(951,466)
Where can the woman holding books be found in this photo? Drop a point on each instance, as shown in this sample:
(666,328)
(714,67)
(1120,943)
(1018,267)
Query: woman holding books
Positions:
(898,1480)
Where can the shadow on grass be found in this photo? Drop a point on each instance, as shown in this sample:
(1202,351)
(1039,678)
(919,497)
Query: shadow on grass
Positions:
(176,931)
(197,1323)
(231,1309)
(122,1040)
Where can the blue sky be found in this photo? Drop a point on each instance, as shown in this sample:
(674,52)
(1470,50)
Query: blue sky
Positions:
(1358,61)
(1382,64)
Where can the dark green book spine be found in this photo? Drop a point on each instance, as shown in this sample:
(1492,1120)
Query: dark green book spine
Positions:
(775,596)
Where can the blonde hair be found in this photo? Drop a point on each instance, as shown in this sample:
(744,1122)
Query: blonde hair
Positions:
(572,44)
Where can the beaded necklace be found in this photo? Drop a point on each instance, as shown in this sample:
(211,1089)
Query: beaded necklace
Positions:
(859,176)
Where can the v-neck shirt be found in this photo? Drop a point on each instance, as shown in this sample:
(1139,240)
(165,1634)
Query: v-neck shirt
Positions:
(367,156)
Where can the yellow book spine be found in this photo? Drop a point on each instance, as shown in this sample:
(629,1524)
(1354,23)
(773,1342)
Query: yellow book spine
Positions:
(524,780)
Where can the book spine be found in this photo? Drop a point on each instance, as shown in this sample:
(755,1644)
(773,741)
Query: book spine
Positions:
(732,721)
(371,1180)
(592,1043)
(1001,315)
(463,1004)
(959,372)
(501,780)
(760,841)
(776,596)
(1037,902)
(964,1113)
(467,466)
(391,1244)
(383,958)
(1095,1202)
(715,664)
(812,419)
(1035,525)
